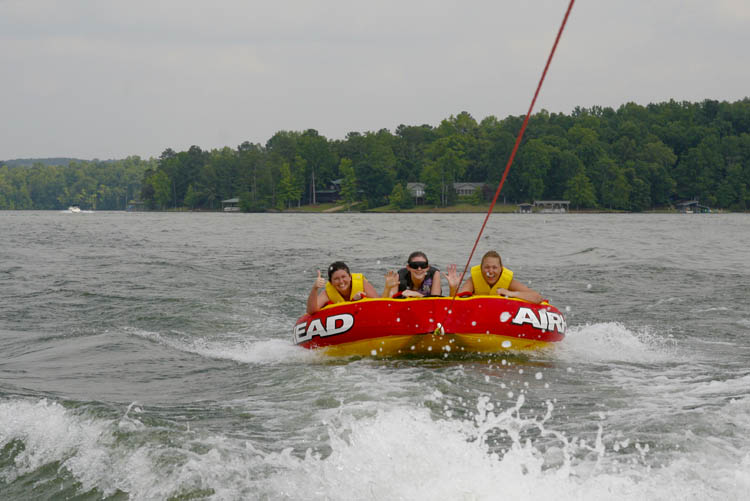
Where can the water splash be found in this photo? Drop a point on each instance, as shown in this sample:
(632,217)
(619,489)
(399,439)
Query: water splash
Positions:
(240,348)
(397,453)
(614,342)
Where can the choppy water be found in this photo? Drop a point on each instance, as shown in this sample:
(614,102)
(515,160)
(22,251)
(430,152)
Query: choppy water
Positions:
(149,356)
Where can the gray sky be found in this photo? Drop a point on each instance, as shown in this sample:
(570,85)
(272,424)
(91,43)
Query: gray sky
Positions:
(108,79)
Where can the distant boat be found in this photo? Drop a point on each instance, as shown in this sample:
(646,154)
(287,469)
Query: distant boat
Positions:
(74,209)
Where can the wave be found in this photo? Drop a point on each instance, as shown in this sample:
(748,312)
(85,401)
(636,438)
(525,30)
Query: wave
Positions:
(613,342)
(716,308)
(114,455)
(398,453)
(584,251)
(600,342)
(406,454)
(735,387)
(240,348)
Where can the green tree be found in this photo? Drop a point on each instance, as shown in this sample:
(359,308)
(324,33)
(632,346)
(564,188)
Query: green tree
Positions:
(534,161)
(289,190)
(640,194)
(299,168)
(161,189)
(615,189)
(320,162)
(564,164)
(223,168)
(732,190)
(580,191)
(251,171)
(586,144)
(433,185)
(374,165)
(696,170)
(397,196)
(658,161)
(249,204)
(6,190)
(446,166)
(191,197)
(409,148)
(348,183)
(376,182)
(209,185)
(477,197)
(400,197)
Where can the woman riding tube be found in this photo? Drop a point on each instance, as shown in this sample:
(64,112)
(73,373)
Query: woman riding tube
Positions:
(417,279)
(342,286)
(491,278)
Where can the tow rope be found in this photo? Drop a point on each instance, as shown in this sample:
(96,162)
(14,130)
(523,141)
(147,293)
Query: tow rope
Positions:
(439,329)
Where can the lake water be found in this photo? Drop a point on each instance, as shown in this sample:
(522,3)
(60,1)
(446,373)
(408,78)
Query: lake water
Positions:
(149,356)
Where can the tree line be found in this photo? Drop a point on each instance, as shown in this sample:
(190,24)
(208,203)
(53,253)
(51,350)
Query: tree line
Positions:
(634,158)
(98,185)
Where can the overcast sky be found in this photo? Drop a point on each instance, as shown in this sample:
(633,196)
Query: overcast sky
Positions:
(108,79)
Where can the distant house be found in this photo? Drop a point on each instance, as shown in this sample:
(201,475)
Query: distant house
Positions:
(693,207)
(135,206)
(466,189)
(231,205)
(331,194)
(417,191)
(461,189)
(552,206)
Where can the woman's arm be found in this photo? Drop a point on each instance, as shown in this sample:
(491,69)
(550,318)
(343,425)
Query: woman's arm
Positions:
(519,290)
(468,286)
(315,301)
(369,290)
(436,289)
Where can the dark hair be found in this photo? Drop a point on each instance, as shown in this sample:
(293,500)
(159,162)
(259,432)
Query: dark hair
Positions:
(417,254)
(338,265)
(492,254)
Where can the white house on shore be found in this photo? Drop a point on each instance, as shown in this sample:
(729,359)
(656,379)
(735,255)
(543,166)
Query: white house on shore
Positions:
(462,189)
(466,189)
(417,191)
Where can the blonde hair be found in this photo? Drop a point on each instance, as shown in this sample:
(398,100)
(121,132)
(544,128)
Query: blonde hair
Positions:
(492,254)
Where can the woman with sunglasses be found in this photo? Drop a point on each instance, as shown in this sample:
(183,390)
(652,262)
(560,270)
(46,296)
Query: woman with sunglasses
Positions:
(418,279)
(342,286)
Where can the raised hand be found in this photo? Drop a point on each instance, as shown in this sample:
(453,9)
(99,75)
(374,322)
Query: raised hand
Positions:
(452,277)
(320,282)
(391,280)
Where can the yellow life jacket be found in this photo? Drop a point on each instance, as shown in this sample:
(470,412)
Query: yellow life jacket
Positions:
(482,288)
(358,285)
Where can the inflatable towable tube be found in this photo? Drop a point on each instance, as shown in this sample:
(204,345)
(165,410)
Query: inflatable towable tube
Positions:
(398,327)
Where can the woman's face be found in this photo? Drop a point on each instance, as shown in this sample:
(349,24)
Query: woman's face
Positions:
(491,269)
(341,280)
(418,268)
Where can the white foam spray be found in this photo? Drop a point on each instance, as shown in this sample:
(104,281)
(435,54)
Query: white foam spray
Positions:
(396,453)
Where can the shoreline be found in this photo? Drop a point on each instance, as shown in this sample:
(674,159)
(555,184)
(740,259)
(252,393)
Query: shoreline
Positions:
(474,209)
(455,209)
(384,212)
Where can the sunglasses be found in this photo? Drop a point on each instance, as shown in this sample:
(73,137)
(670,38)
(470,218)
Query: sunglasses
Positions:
(418,265)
